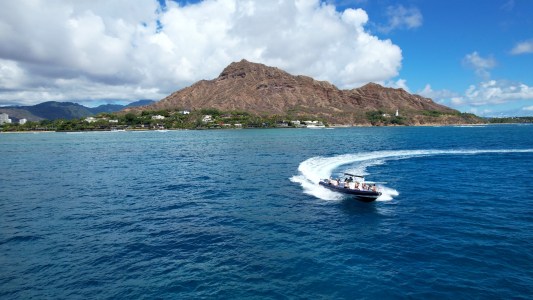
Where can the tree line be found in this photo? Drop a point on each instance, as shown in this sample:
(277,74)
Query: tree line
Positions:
(159,119)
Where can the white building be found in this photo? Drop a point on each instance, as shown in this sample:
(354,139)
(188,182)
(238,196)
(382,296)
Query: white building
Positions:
(158,117)
(207,118)
(90,120)
(185,112)
(22,121)
(4,119)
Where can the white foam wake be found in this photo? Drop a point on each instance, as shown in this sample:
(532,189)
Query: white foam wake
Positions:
(316,168)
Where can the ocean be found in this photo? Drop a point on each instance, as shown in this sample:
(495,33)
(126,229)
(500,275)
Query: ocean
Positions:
(238,214)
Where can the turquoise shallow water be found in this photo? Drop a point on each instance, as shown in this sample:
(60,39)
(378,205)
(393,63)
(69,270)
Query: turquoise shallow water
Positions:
(237,214)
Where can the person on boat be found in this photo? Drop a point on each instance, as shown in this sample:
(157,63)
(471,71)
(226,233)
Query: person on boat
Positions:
(374,188)
(351,185)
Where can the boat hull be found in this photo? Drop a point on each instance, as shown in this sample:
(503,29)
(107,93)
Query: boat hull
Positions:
(365,196)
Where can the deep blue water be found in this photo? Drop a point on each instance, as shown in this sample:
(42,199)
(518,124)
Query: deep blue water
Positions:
(237,214)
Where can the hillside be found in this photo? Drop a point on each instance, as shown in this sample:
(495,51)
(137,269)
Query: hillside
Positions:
(264,90)
(53,110)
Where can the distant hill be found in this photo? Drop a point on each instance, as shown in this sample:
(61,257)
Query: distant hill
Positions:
(140,103)
(110,108)
(106,108)
(264,90)
(53,110)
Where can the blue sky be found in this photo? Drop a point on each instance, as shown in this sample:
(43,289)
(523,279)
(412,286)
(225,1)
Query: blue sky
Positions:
(437,51)
(474,56)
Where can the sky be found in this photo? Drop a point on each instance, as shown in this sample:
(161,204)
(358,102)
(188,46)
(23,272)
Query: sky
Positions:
(475,56)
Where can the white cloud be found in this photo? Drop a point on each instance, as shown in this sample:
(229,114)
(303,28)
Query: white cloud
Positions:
(10,74)
(457,100)
(480,112)
(484,98)
(78,90)
(480,64)
(437,95)
(497,92)
(528,108)
(523,48)
(116,50)
(400,17)
(398,84)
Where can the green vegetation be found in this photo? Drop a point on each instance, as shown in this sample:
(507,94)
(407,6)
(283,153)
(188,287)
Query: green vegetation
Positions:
(162,119)
(510,120)
(432,113)
(380,118)
(216,119)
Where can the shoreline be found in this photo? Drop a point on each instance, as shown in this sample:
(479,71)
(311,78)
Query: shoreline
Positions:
(331,127)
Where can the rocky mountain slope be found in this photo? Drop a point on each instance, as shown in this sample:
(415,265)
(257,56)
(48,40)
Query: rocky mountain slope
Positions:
(264,90)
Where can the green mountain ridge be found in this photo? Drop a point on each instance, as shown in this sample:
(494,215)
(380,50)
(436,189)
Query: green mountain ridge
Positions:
(53,110)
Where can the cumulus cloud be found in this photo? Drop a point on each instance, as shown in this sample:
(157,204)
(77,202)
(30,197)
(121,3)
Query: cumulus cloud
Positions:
(457,101)
(523,48)
(71,50)
(437,95)
(497,92)
(480,64)
(481,98)
(398,84)
(400,17)
(11,76)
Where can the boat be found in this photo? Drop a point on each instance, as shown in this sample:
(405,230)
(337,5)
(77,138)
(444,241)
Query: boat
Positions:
(312,126)
(365,191)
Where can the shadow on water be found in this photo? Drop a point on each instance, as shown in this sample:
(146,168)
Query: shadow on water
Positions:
(353,206)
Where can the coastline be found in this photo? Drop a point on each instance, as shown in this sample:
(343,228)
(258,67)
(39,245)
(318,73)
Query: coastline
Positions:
(28,131)
(330,127)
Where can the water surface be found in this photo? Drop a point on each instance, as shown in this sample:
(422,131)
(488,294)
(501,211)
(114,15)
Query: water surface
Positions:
(237,214)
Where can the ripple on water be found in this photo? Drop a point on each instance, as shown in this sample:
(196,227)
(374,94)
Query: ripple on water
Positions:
(214,214)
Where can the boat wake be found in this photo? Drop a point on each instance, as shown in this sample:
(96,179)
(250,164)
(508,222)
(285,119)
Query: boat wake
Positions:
(316,168)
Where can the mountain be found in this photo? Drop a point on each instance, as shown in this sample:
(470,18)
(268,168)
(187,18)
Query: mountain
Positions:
(106,108)
(53,110)
(140,103)
(60,110)
(264,90)
(111,108)
(50,110)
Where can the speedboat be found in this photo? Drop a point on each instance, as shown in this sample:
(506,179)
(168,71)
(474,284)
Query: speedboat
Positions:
(365,191)
(313,126)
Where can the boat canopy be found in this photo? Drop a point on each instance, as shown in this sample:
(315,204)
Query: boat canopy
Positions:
(360,176)
(368,182)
